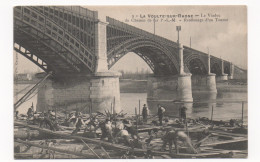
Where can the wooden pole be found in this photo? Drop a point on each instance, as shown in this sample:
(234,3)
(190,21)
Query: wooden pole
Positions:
(139,109)
(90,107)
(186,124)
(212,113)
(136,119)
(114,105)
(242,113)
(190,42)
(91,149)
(111,108)
(154,26)
(55,112)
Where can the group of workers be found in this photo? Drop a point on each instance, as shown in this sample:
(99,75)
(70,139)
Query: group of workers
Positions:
(117,131)
(145,113)
(161,111)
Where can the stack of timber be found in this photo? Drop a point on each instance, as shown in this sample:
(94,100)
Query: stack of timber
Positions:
(215,149)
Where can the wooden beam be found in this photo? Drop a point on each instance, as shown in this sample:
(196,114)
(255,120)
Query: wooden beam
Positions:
(54,149)
(91,149)
(102,148)
(225,142)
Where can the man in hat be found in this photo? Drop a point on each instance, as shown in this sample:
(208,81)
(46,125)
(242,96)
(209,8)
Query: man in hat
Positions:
(145,113)
(182,111)
(161,111)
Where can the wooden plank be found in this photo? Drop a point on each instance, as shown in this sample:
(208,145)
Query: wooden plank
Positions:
(204,139)
(54,149)
(223,135)
(102,148)
(191,129)
(227,133)
(224,151)
(23,155)
(91,149)
(225,142)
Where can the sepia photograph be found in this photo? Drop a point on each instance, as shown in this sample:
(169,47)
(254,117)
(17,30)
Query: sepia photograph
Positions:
(130,82)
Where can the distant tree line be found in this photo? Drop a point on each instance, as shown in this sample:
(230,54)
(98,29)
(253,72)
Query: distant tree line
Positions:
(138,75)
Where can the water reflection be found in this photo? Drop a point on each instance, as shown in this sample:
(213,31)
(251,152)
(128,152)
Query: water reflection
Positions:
(225,104)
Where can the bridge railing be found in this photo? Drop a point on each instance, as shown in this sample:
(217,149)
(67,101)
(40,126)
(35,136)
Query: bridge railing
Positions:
(80,10)
(139,32)
(142,33)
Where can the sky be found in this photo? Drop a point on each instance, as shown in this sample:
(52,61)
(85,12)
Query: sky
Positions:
(225,39)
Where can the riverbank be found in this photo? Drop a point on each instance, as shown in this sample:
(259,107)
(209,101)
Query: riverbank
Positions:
(140,86)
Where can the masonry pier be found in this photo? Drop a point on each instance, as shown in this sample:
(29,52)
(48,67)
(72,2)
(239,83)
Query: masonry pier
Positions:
(223,76)
(231,75)
(95,93)
(179,85)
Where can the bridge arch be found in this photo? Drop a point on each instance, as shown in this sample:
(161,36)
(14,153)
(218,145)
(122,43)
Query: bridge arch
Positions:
(158,57)
(227,69)
(33,58)
(215,66)
(195,64)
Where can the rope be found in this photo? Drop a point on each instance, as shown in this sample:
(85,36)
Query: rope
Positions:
(23,90)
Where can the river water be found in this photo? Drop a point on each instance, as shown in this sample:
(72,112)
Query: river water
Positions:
(226,105)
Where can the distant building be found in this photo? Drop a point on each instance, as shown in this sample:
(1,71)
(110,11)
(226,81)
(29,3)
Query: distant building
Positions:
(24,76)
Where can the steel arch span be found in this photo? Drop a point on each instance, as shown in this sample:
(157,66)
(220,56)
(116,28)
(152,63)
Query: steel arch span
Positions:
(71,40)
(196,64)
(158,57)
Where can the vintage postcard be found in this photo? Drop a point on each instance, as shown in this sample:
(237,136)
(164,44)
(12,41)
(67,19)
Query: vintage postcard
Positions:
(130,82)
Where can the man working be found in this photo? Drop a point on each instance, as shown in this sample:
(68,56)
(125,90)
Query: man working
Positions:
(79,123)
(123,136)
(106,130)
(161,111)
(173,136)
(30,113)
(145,113)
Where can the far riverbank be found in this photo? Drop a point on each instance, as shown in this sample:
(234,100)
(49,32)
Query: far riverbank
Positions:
(140,86)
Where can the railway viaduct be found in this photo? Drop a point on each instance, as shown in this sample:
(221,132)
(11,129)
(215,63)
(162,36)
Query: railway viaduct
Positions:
(79,49)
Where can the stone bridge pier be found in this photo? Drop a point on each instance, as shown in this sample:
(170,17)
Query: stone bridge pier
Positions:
(177,87)
(206,83)
(94,93)
(223,76)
